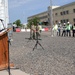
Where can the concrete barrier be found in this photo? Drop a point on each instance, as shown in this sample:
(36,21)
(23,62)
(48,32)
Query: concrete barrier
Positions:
(28,30)
(18,30)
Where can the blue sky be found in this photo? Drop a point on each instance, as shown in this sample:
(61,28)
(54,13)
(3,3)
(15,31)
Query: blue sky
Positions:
(21,9)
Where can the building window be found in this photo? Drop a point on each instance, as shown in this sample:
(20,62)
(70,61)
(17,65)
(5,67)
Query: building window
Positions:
(56,14)
(61,21)
(67,20)
(43,17)
(67,12)
(48,19)
(74,19)
(64,21)
(74,10)
(61,13)
(56,21)
(48,14)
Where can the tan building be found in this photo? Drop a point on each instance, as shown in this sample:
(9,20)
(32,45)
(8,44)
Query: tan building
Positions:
(64,13)
(61,14)
(42,16)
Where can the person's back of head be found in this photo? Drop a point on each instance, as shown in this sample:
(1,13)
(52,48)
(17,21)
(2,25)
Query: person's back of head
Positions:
(64,23)
(59,23)
(68,23)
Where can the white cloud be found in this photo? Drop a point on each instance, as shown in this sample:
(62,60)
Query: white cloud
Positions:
(17,3)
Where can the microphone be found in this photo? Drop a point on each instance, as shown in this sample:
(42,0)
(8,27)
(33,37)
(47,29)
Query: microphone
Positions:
(1,20)
(2,23)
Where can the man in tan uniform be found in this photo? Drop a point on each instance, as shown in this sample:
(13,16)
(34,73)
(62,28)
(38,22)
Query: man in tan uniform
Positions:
(33,31)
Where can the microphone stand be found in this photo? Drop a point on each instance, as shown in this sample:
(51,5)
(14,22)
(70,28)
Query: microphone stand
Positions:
(37,39)
(9,57)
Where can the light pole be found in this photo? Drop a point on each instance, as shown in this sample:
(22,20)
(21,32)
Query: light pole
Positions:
(51,16)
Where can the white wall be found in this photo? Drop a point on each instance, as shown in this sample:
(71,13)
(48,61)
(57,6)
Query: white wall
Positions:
(4,12)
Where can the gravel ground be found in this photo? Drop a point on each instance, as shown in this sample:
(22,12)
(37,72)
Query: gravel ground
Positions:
(57,58)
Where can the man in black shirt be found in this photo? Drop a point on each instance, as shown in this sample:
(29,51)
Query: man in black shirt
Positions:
(64,29)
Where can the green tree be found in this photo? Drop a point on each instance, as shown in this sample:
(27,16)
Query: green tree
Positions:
(18,23)
(34,21)
(29,23)
(14,22)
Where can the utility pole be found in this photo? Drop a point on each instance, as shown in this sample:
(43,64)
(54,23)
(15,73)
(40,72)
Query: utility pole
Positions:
(51,16)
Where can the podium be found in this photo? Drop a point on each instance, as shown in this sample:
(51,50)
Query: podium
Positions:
(4,46)
(4,57)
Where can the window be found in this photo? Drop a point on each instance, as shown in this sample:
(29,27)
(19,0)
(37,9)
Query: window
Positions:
(56,14)
(61,21)
(64,21)
(43,17)
(67,12)
(63,12)
(48,19)
(56,21)
(67,20)
(74,19)
(74,10)
(48,14)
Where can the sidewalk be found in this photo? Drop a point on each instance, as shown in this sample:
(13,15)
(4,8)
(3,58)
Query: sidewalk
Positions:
(13,72)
